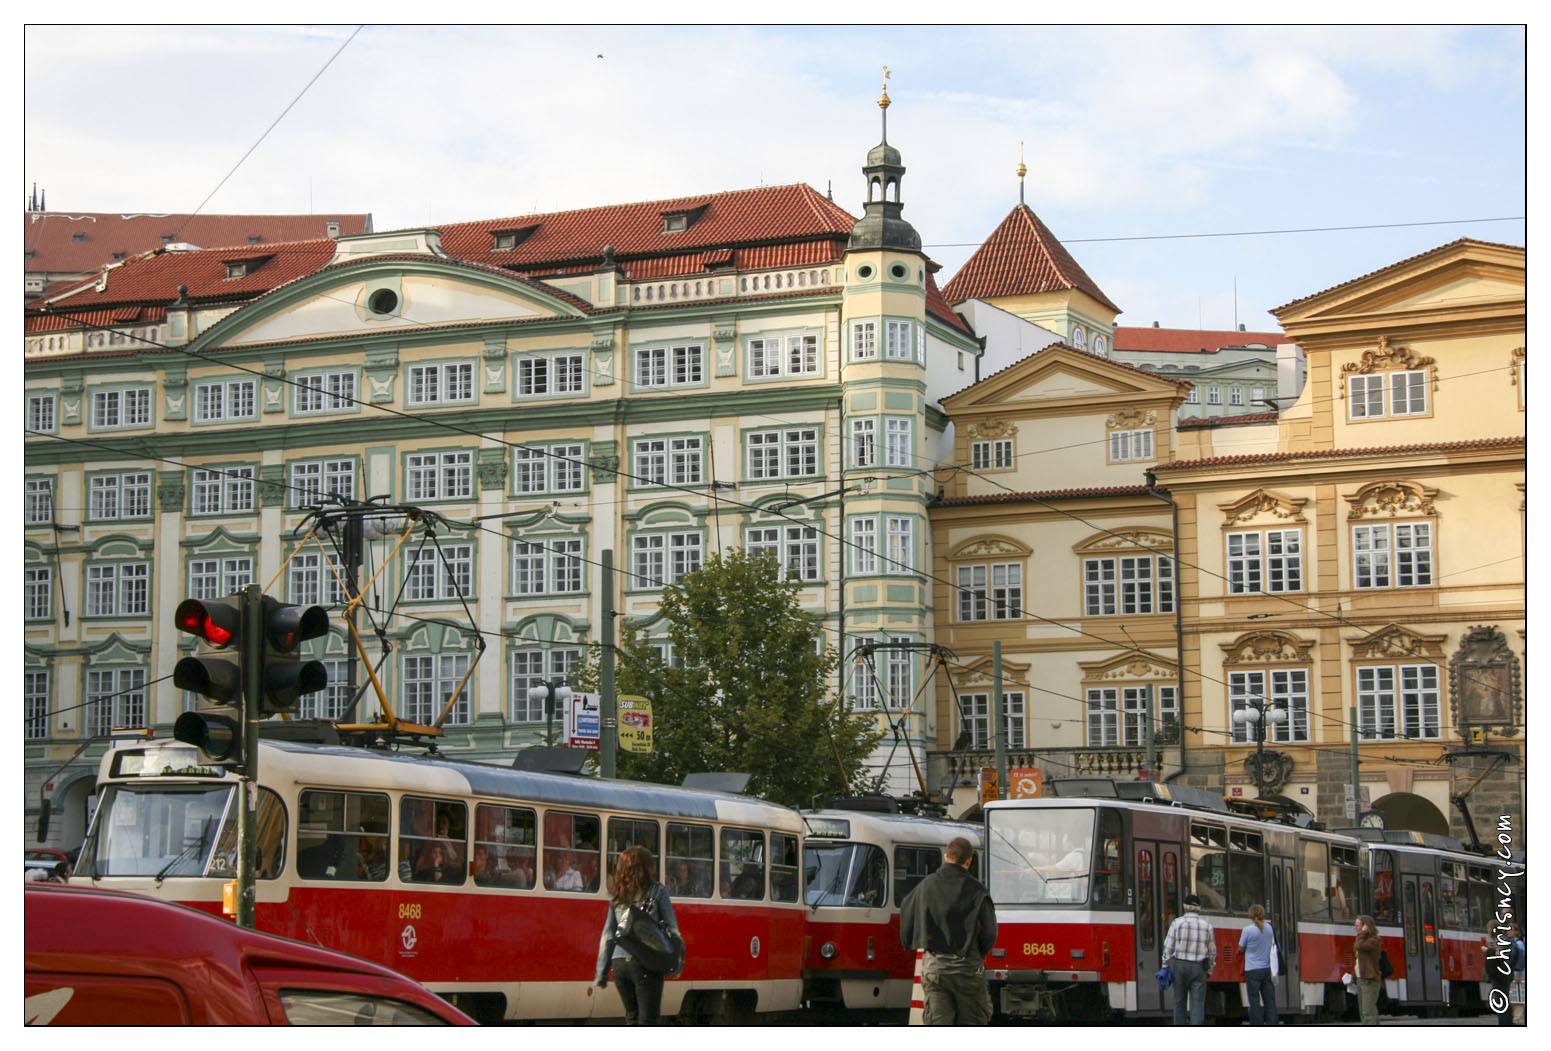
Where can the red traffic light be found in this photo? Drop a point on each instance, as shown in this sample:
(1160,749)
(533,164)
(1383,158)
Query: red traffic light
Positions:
(214,620)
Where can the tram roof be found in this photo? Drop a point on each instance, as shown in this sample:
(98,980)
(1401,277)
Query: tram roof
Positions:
(897,822)
(486,779)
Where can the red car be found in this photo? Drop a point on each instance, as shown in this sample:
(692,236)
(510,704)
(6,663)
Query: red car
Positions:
(99,957)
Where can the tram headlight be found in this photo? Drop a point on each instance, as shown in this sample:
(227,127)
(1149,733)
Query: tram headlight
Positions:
(827,950)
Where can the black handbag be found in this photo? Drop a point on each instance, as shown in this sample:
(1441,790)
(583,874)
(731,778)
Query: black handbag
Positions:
(657,949)
(1386,969)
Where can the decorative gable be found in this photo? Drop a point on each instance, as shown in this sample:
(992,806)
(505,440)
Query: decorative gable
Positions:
(1126,541)
(1262,502)
(1268,647)
(989,547)
(1136,665)
(1396,641)
(1392,499)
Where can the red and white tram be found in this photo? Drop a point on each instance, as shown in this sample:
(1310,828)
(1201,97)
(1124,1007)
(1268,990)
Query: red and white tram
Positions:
(1087,881)
(859,865)
(485,883)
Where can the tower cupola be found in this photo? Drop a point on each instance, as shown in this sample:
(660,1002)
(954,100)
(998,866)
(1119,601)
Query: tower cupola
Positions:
(881,225)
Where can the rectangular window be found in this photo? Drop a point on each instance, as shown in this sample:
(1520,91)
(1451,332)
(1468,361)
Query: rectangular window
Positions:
(315,481)
(1214,395)
(1132,584)
(219,400)
(547,469)
(433,841)
(1288,692)
(1408,393)
(439,476)
(312,583)
(978,721)
(534,667)
(1399,555)
(864,450)
(743,864)
(324,392)
(1103,717)
(1133,711)
(864,340)
(898,449)
(118,589)
(1130,445)
(901,676)
(1411,711)
(115,697)
(547,567)
(35,693)
(991,455)
(505,846)
(547,374)
(1194,397)
(445,573)
(121,408)
(792,453)
(1271,561)
(669,366)
(37,593)
(571,851)
(663,558)
(119,496)
(994,591)
(38,506)
(215,577)
(440,384)
(796,356)
(342,835)
(795,547)
(1235,395)
(429,682)
(900,344)
(864,546)
(214,492)
(802,355)
(41,415)
(902,547)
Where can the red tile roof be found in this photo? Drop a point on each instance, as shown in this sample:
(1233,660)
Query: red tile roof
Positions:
(937,305)
(1021,257)
(691,264)
(1277,311)
(1189,340)
(1183,385)
(51,236)
(1049,494)
(1325,454)
(726,220)
(1224,421)
(143,315)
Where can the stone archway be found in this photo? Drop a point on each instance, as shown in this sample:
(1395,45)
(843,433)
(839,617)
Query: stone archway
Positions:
(1406,810)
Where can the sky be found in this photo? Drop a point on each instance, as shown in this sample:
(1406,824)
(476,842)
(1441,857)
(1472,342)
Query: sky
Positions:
(1132,135)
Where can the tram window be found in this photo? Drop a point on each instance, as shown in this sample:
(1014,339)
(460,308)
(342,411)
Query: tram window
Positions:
(270,834)
(1481,893)
(1246,881)
(1384,886)
(784,862)
(1036,857)
(1429,921)
(571,844)
(743,864)
(1313,897)
(1448,888)
(627,832)
(1343,884)
(911,866)
(1209,865)
(503,846)
(341,835)
(1108,877)
(433,837)
(1409,918)
(1144,904)
(690,861)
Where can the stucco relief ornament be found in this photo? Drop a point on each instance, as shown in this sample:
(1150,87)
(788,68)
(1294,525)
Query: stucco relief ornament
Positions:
(495,375)
(1392,499)
(1131,419)
(1261,502)
(1386,357)
(175,405)
(989,546)
(991,429)
(1267,647)
(381,388)
(1275,768)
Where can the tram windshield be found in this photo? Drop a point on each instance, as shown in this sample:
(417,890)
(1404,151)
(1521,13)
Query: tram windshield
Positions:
(855,874)
(1039,856)
(156,831)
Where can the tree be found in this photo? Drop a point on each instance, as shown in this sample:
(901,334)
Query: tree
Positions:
(747,689)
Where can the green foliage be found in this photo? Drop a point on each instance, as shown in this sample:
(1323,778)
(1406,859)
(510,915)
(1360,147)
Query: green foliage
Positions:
(748,691)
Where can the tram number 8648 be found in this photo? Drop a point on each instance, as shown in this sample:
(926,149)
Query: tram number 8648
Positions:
(1039,948)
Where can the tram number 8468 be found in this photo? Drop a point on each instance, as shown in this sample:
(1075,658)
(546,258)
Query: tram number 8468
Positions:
(409,910)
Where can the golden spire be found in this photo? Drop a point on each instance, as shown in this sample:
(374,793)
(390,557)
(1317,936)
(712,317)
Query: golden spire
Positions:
(883,99)
(1023,170)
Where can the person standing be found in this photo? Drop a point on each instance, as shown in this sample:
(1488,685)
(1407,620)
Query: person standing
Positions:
(1257,941)
(949,914)
(1517,955)
(635,883)
(1190,950)
(1366,949)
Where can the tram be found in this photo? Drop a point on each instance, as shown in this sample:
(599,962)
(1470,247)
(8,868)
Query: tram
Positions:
(860,858)
(486,884)
(1087,881)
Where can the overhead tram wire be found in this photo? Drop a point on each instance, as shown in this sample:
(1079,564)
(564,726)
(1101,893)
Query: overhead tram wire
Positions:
(1254,233)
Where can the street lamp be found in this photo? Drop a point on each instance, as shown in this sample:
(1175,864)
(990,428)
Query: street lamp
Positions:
(1257,713)
(549,693)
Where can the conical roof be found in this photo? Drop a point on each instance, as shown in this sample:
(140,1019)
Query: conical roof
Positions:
(1021,257)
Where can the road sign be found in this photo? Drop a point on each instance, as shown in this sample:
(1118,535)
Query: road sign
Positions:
(635,723)
(582,719)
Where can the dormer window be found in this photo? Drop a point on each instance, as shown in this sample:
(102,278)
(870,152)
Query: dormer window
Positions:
(77,238)
(236,268)
(502,240)
(254,239)
(166,239)
(678,222)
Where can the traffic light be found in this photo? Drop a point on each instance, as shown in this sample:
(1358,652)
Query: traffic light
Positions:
(215,728)
(286,677)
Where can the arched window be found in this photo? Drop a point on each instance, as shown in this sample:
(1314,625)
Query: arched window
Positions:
(1079,338)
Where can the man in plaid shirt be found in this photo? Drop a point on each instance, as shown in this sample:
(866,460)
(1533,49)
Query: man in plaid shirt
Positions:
(1190,950)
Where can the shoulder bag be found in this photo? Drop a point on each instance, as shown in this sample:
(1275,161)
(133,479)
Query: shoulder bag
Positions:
(658,949)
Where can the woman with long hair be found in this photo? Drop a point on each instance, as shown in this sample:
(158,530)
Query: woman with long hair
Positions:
(1366,948)
(635,883)
(1257,942)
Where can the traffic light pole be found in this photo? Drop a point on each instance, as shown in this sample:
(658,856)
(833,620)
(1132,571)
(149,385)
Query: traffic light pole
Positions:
(251,662)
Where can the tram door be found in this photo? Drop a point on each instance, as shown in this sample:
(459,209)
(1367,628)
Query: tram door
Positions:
(1424,978)
(1283,922)
(1157,903)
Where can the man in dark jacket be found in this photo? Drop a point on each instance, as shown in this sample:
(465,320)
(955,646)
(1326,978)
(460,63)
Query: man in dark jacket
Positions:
(950,915)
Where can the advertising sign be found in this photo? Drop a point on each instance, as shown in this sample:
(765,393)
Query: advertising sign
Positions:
(635,723)
(1028,782)
(582,719)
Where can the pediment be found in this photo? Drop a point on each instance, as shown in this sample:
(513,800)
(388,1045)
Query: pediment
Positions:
(1135,665)
(1464,275)
(1060,374)
(419,294)
(1126,542)
(1396,641)
(981,674)
(1263,505)
(989,547)
(1268,647)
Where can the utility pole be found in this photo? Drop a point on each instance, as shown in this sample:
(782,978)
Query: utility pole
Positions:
(608,728)
(251,662)
(1003,787)
(1147,733)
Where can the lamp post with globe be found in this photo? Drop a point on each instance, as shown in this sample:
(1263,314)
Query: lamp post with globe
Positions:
(1257,715)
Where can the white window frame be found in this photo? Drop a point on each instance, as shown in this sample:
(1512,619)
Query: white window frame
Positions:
(864,341)
(42,413)
(115,697)
(795,547)
(550,375)
(1128,585)
(1393,555)
(440,383)
(1079,337)
(328,474)
(547,567)
(791,452)
(669,365)
(119,497)
(38,502)
(439,475)
(864,441)
(1194,397)
(116,410)
(38,593)
(219,576)
(1130,446)
(899,675)
(35,702)
(220,491)
(992,455)
(898,441)
(429,578)
(658,559)
(1235,395)
(976,719)
(864,547)
(1213,394)
(117,589)
(1102,725)
(899,340)
(990,591)
(309,582)
(217,401)
(900,531)
(428,681)
(1269,561)
(324,392)
(556,468)
(1399,702)
(534,666)
(1284,688)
